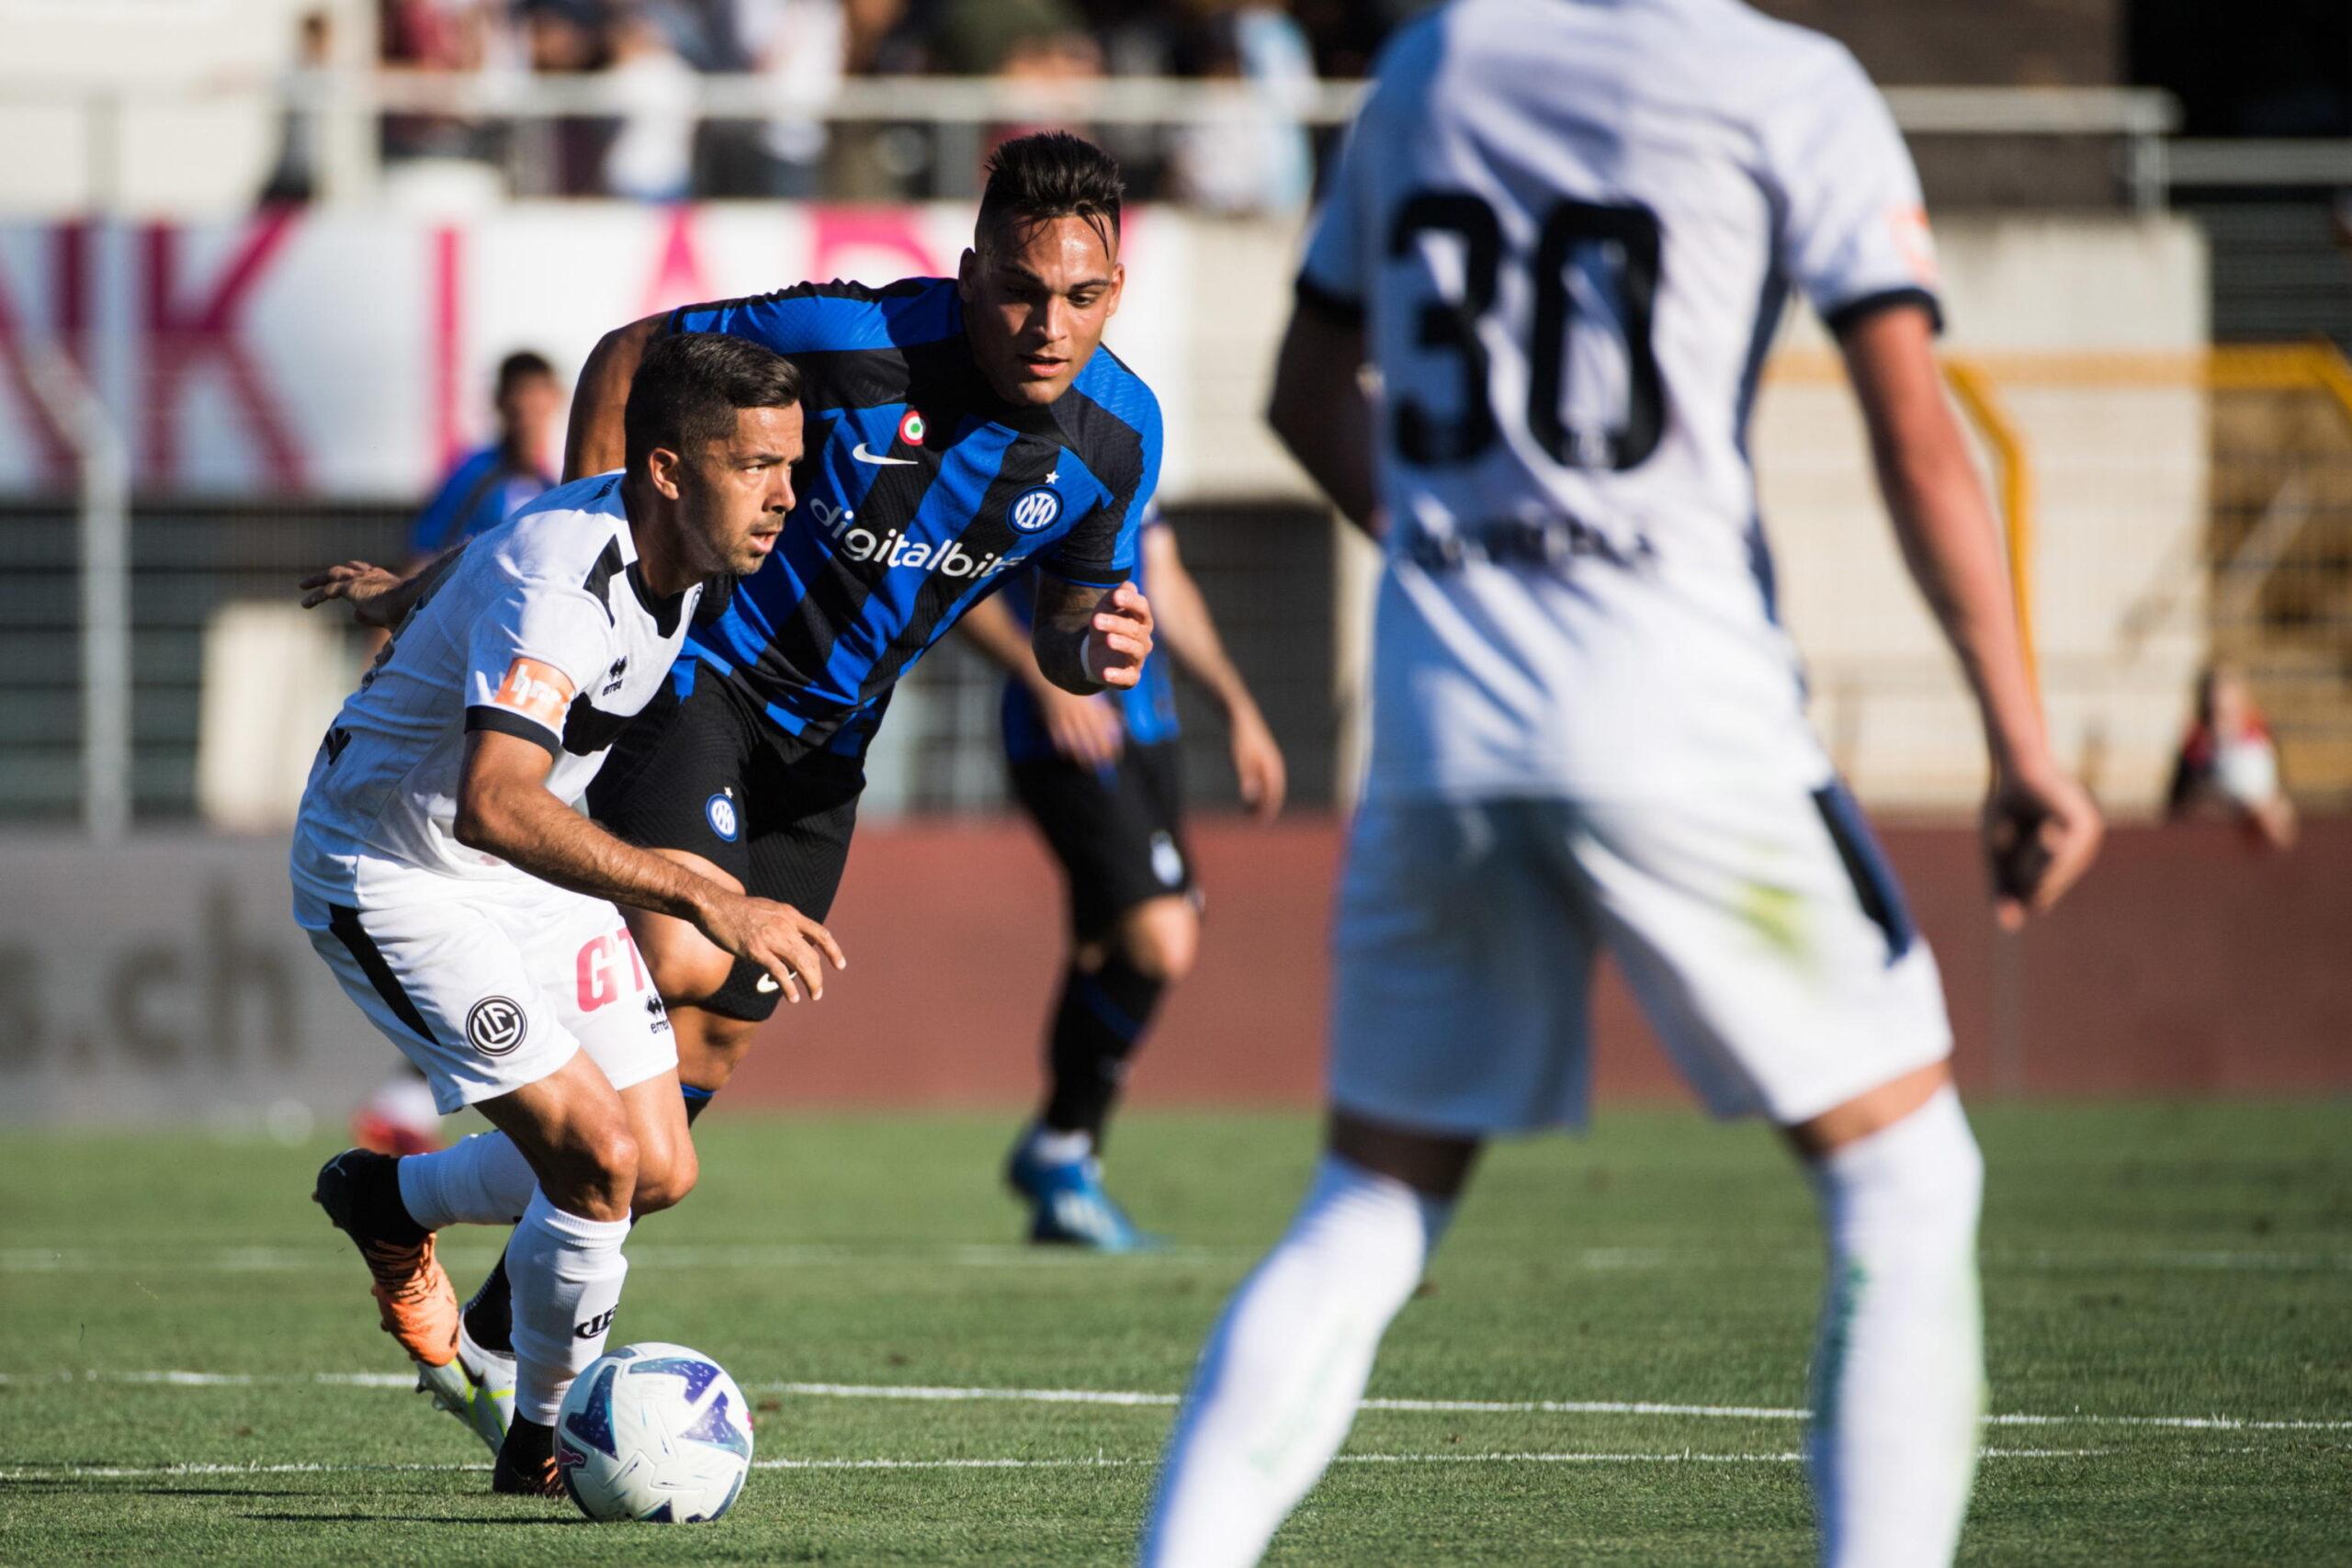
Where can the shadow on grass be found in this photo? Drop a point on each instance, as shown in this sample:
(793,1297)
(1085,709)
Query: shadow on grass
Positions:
(473,1521)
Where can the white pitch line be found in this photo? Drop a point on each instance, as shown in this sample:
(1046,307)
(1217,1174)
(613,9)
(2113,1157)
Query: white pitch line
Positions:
(948,1394)
(981,1255)
(164,1472)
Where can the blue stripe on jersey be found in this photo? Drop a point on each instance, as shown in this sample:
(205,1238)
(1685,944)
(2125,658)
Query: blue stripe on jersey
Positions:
(791,321)
(950,504)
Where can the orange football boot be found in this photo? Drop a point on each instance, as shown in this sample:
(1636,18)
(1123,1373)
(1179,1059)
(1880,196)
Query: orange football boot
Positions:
(414,1300)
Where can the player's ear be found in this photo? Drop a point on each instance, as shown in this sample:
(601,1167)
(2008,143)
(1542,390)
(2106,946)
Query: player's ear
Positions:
(1118,288)
(662,467)
(967,272)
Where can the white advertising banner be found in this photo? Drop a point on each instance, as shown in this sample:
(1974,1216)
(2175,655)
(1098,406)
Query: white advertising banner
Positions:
(348,353)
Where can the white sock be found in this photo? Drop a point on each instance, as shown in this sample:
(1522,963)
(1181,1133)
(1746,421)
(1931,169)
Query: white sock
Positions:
(567,1274)
(1899,1369)
(1060,1148)
(1278,1380)
(480,1180)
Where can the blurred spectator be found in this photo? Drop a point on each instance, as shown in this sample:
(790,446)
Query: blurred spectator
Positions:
(652,154)
(802,47)
(565,38)
(2228,763)
(488,485)
(1263,163)
(295,174)
(437,36)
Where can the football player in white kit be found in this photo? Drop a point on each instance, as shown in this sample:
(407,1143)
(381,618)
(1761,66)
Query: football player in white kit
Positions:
(443,870)
(1562,234)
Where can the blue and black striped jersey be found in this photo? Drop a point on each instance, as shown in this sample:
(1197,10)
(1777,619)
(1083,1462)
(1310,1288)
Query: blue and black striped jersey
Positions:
(921,494)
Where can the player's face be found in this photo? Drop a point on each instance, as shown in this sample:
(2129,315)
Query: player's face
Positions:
(733,494)
(1036,297)
(527,409)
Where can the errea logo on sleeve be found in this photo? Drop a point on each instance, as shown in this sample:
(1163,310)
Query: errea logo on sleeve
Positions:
(536,690)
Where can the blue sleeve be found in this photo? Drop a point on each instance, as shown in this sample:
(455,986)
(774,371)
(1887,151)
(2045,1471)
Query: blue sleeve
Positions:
(1100,551)
(437,526)
(837,316)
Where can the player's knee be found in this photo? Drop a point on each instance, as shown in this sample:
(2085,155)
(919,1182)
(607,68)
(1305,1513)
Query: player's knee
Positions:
(686,967)
(1162,939)
(663,1179)
(594,1167)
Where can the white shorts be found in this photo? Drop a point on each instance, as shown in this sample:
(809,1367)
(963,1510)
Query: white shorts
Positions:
(489,993)
(1764,937)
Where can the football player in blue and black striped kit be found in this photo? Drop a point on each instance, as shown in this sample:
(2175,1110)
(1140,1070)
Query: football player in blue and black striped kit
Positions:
(960,431)
(1100,778)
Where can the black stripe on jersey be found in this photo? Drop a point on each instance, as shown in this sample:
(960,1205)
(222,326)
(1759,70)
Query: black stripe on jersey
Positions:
(483,717)
(796,656)
(588,730)
(851,378)
(600,577)
(1853,312)
(1323,303)
(990,532)
(344,921)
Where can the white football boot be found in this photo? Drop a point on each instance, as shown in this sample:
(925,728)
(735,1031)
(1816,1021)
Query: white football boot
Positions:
(477,1387)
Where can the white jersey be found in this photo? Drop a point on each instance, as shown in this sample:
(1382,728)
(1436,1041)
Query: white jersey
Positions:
(543,628)
(1569,227)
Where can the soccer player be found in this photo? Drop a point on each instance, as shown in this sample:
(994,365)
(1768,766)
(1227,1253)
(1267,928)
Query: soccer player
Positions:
(960,429)
(492,483)
(1100,778)
(485,488)
(443,872)
(1562,236)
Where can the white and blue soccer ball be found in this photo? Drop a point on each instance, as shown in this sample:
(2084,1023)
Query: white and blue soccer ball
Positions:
(654,1432)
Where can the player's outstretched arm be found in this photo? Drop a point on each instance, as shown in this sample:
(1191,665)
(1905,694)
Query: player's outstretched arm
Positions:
(1187,632)
(2041,828)
(505,809)
(1319,411)
(1085,729)
(377,597)
(594,441)
(1086,637)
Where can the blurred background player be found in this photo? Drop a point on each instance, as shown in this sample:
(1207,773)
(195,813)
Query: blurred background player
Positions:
(1563,234)
(487,486)
(2228,763)
(1101,779)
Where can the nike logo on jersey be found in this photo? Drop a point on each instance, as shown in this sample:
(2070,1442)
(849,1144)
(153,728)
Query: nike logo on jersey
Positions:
(863,456)
(767,983)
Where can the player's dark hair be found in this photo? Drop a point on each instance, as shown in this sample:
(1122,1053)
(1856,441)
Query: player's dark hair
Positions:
(1035,179)
(689,385)
(520,363)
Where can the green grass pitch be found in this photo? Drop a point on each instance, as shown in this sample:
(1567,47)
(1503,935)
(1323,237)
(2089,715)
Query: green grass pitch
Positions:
(2146,1261)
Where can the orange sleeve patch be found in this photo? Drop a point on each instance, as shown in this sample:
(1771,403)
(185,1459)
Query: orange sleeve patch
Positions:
(536,690)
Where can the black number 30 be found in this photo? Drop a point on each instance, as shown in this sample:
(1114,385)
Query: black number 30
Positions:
(1627,238)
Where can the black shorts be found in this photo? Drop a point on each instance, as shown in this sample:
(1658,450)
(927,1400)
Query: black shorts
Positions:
(1119,831)
(709,775)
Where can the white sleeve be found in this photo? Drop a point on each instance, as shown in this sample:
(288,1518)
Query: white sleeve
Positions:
(1336,275)
(1853,233)
(533,650)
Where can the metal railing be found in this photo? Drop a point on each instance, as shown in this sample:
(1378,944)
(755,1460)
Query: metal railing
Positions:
(956,112)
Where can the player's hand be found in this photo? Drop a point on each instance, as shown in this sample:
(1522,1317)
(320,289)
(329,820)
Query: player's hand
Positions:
(778,938)
(2041,831)
(1258,764)
(1119,639)
(356,582)
(1085,729)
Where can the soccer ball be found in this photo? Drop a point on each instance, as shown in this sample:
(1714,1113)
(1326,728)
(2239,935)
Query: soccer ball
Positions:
(654,1432)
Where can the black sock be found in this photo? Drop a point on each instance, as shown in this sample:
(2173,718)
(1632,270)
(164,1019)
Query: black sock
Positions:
(376,1205)
(1100,1021)
(490,1316)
